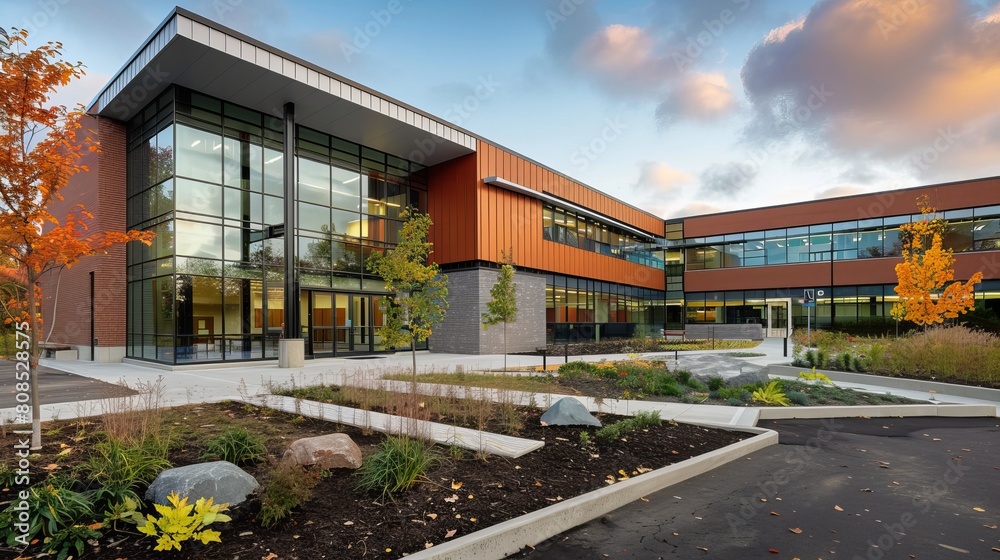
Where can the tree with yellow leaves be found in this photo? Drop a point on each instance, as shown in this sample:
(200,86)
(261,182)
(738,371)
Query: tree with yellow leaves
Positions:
(927,287)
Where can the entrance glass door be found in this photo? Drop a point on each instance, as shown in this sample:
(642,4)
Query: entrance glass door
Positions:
(342,316)
(322,323)
(361,313)
(341,324)
(777,319)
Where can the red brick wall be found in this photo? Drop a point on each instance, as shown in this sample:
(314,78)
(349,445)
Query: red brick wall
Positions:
(101,190)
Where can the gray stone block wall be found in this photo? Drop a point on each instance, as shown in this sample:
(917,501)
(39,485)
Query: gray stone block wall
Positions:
(748,331)
(468,292)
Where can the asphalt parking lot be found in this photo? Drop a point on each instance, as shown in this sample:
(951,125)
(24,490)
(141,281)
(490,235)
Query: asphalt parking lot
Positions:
(913,488)
(56,386)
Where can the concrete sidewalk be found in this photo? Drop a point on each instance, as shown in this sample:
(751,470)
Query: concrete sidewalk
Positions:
(249,380)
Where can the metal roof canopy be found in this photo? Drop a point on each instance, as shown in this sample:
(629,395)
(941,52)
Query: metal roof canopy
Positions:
(197,53)
(555,200)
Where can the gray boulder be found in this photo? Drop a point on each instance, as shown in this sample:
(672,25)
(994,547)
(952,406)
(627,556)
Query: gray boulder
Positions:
(330,451)
(568,411)
(221,480)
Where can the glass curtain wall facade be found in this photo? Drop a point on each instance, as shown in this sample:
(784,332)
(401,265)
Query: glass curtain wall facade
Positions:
(569,228)
(970,229)
(865,307)
(579,310)
(207,177)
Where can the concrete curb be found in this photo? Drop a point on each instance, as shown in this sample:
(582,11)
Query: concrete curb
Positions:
(510,536)
(902,383)
(878,411)
(445,434)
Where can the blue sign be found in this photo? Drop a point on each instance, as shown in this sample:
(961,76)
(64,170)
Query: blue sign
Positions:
(809,304)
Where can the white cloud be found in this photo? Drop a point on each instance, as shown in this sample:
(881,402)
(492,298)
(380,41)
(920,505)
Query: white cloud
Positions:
(694,209)
(698,96)
(839,190)
(659,178)
(863,79)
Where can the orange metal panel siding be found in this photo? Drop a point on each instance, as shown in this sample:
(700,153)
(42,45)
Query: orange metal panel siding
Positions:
(451,203)
(507,220)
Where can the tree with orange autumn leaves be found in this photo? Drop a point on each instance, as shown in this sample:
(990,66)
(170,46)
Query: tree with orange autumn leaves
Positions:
(926,296)
(40,150)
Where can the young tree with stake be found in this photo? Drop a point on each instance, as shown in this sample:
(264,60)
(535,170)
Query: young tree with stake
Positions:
(502,307)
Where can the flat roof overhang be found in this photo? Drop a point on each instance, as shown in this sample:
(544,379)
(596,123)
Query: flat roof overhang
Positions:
(197,53)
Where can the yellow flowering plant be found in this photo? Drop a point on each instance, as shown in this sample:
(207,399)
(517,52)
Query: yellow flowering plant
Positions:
(181,521)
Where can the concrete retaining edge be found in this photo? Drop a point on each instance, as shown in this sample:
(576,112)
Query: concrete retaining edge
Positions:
(878,411)
(895,382)
(506,538)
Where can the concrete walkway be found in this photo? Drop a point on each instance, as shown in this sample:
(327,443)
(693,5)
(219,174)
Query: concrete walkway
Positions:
(246,381)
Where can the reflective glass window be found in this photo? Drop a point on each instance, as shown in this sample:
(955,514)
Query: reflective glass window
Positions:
(198,197)
(199,154)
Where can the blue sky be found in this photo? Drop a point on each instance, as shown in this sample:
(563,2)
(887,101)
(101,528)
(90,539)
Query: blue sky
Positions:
(677,106)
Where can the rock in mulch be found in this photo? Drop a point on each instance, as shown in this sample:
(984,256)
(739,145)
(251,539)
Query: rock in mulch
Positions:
(568,411)
(220,480)
(330,451)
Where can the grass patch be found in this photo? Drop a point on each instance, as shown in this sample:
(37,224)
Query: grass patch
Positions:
(744,354)
(399,463)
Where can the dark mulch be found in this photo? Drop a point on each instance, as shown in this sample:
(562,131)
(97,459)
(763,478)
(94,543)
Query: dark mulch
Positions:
(343,522)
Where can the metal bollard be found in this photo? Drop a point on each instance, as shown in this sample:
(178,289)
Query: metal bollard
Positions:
(566,348)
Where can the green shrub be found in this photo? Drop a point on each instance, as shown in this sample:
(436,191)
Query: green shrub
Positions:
(771,395)
(397,465)
(822,358)
(70,539)
(663,384)
(584,439)
(123,468)
(809,357)
(735,402)
(798,398)
(52,507)
(236,445)
(286,487)
(715,383)
(858,364)
(745,396)
(843,361)
(577,369)
(618,430)
(683,376)
(697,385)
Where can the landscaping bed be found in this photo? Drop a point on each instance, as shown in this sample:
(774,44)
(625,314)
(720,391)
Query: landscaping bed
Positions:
(462,493)
(652,380)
